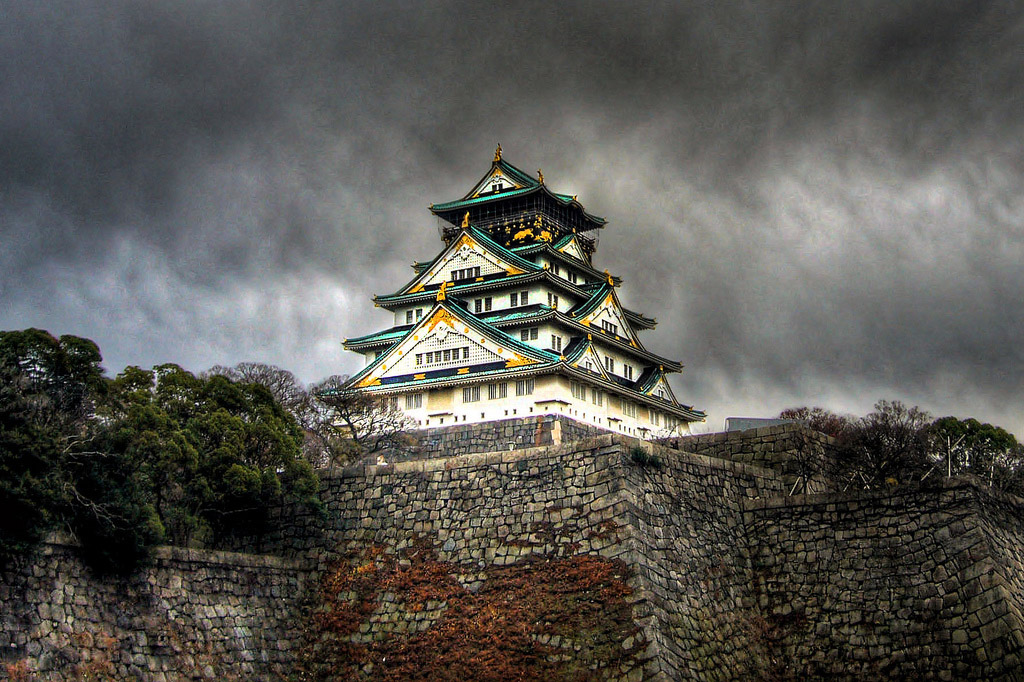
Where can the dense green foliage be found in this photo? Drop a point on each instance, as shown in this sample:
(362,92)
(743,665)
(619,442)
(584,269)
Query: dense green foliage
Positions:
(147,457)
(896,443)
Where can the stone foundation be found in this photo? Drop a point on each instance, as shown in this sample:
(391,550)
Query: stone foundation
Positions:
(708,569)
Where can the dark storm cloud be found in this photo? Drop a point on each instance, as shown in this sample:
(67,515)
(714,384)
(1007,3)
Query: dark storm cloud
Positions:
(819,201)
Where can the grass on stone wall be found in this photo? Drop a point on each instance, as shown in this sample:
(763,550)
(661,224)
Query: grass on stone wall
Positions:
(541,618)
(641,457)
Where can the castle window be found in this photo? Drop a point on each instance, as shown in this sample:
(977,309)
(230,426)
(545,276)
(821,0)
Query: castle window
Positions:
(552,301)
(478,306)
(529,334)
(556,343)
(465,273)
(609,363)
(487,303)
(393,403)
(447,355)
(524,387)
(513,299)
(412,401)
(572,277)
(471,394)
(554,269)
(627,371)
(609,327)
(579,391)
(523,296)
(628,408)
(497,391)
(596,397)
(655,418)
(408,317)
(419,358)
(419,313)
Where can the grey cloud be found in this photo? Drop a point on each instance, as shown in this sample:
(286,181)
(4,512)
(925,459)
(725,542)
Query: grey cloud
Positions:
(818,200)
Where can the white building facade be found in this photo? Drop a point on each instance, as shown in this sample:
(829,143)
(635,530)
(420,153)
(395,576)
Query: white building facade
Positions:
(512,320)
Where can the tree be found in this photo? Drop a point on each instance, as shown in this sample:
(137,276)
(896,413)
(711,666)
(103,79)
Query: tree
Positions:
(356,424)
(214,452)
(818,418)
(887,446)
(48,389)
(968,446)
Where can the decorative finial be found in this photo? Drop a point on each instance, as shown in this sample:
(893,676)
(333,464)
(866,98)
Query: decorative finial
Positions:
(440,292)
(590,337)
(465,220)
(611,282)
(540,176)
(497,154)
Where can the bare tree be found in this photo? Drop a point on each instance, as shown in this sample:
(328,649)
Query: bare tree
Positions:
(356,424)
(339,424)
(889,445)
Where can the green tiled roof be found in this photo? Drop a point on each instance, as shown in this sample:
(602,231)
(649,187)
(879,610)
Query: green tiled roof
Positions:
(493,246)
(531,183)
(385,335)
(453,290)
(463,315)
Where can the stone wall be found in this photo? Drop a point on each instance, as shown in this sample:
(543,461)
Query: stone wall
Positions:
(802,455)
(526,432)
(912,583)
(685,515)
(191,615)
(605,558)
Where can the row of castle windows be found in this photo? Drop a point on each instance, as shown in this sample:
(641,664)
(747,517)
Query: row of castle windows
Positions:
(579,392)
(465,273)
(471,394)
(569,274)
(497,391)
(447,355)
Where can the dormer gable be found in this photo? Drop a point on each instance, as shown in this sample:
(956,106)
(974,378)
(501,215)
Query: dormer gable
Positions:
(570,246)
(605,315)
(498,180)
(655,384)
(583,355)
(456,341)
(470,256)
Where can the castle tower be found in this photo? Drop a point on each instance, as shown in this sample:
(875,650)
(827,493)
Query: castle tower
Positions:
(513,320)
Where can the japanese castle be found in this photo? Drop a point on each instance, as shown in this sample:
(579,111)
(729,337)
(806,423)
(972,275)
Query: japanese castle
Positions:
(512,320)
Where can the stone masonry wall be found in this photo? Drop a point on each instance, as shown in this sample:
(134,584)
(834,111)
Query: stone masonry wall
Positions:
(192,615)
(686,518)
(526,432)
(912,583)
(677,524)
(799,453)
(607,558)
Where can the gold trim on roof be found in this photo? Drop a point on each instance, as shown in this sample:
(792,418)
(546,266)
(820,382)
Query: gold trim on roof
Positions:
(497,153)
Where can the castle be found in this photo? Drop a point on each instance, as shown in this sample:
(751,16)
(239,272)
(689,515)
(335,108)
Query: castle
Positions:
(539,531)
(511,319)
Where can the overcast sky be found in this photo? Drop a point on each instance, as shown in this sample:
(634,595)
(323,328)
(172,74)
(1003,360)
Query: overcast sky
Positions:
(821,202)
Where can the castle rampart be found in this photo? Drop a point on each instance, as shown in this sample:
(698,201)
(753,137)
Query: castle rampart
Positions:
(650,563)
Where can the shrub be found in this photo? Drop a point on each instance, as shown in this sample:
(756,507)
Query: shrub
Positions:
(641,457)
